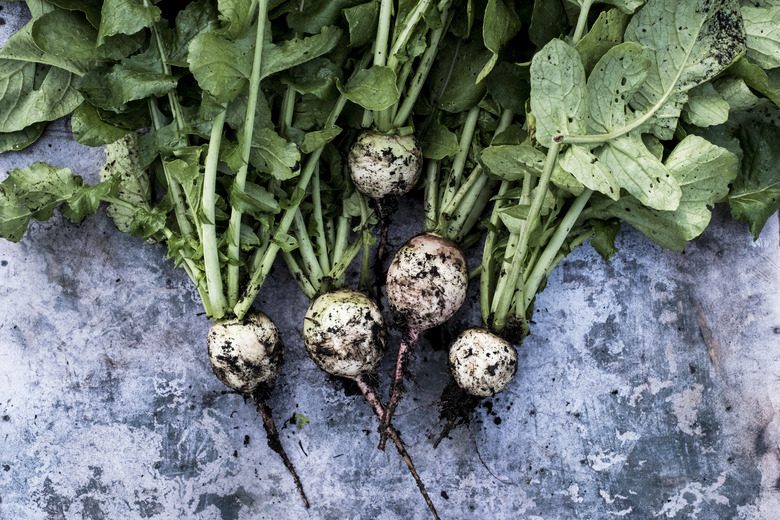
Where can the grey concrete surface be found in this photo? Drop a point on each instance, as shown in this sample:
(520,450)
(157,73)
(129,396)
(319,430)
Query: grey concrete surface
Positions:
(649,388)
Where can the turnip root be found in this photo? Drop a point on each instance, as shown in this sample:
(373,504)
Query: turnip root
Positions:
(345,335)
(482,364)
(426,285)
(246,355)
(384,165)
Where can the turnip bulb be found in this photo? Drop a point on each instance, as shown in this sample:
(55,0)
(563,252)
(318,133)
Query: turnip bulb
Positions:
(345,333)
(384,164)
(246,353)
(482,364)
(426,285)
(427,281)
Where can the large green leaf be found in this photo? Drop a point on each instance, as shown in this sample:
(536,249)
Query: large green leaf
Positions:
(703,172)
(372,89)
(762,26)
(606,32)
(125,17)
(26,100)
(499,25)
(691,42)
(755,195)
(21,138)
(21,46)
(134,182)
(559,99)
(274,155)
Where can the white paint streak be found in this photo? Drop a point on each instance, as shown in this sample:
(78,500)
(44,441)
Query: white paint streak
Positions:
(692,496)
(602,460)
(653,386)
(685,408)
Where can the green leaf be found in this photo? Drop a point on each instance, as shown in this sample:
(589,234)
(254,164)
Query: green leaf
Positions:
(762,27)
(641,173)
(68,35)
(220,66)
(186,170)
(125,17)
(317,77)
(253,200)
(25,102)
(703,172)
(301,420)
(35,191)
(512,162)
(236,17)
(453,77)
(134,182)
(86,201)
(604,234)
(617,76)
(508,85)
(362,20)
(196,18)
(763,81)
(558,97)
(312,15)
(315,140)
(438,142)
(499,25)
(285,242)
(705,107)
(373,88)
(91,8)
(588,170)
(692,42)
(21,138)
(20,46)
(755,195)
(288,54)
(90,129)
(548,21)
(274,155)
(606,32)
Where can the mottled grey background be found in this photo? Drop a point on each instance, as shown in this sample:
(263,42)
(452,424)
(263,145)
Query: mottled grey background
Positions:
(649,388)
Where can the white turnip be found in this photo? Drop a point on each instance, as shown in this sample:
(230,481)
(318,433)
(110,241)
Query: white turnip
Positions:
(426,285)
(383,165)
(246,355)
(482,365)
(345,335)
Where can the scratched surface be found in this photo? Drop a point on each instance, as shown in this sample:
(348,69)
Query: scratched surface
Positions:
(649,388)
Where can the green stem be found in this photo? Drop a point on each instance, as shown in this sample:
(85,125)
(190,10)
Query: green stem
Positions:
(179,206)
(464,227)
(406,33)
(544,264)
(382,117)
(299,275)
(426,62)
(310,262)
(582,21)
(342,236)
(322,240)
(343,262)
(459,163)
(365,266)
(234,228)
(431,195)
(287,112)
(209,229)
(486,281)
(505,289)
(258,276)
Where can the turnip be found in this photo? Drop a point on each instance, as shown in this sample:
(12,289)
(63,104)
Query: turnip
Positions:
(345,335)
(482,365)
(428,277)
(246,355)
(383,165)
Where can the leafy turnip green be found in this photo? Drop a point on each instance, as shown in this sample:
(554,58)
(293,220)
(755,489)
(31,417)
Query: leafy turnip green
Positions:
(543,125)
